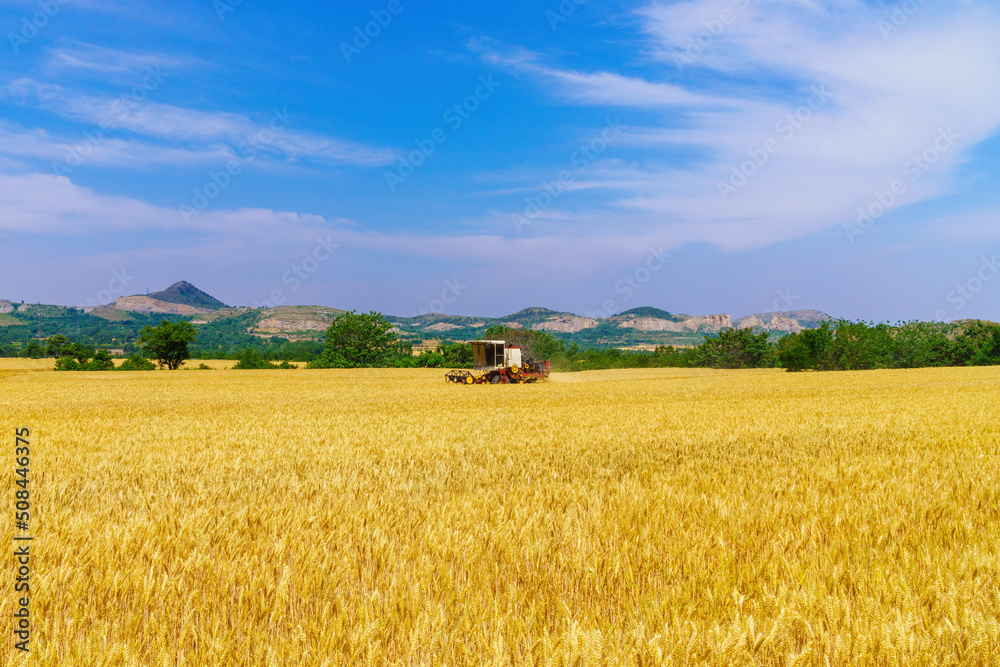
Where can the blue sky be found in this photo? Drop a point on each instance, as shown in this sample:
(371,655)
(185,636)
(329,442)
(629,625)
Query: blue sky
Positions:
(723,156)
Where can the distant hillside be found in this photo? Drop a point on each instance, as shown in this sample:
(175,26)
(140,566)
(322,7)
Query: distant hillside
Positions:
(635,327)
(186,294)
(222,327)
(655,313)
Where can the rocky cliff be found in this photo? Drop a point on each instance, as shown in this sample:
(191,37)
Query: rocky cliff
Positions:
(566,324)
(145,304)
(702,324)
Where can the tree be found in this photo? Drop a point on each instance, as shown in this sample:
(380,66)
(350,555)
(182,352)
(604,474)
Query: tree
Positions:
(736,348)
(168,342)
(82,353)
(56,346)
(536,345)
(807,350)
(33,350)
(68,364)
(358,340)
(982,342)
(101,362)
(456,355)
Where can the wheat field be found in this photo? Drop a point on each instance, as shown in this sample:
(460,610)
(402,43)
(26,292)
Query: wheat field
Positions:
(667,517)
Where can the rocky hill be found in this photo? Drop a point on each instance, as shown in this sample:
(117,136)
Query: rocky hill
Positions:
(181,298)
(146,304)
(186,294)
(639,326)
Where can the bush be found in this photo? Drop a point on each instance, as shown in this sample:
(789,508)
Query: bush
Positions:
(137,362)
(82,362)
(101,362)
(250,360)
(430,360)
(67,364)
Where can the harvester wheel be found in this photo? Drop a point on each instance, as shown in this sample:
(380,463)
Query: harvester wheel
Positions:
(515,369)
(495,379)
(470,380)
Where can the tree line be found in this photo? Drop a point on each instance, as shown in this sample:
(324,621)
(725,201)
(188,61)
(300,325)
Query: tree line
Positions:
(368,340)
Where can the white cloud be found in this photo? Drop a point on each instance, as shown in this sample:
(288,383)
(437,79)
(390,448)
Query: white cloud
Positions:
(890,98)
(198,130)
(106,61)
(42,204)
(109,150)
(45,204)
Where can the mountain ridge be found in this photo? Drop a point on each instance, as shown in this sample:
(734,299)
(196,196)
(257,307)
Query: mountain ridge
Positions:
(642,326)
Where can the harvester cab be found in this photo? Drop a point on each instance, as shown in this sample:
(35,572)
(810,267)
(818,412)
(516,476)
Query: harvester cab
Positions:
(500,363)
(489,355)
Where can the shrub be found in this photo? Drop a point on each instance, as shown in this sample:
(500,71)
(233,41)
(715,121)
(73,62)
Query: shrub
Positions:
(137,362)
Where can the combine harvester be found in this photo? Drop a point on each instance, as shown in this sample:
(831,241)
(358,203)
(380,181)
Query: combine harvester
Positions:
(503,365)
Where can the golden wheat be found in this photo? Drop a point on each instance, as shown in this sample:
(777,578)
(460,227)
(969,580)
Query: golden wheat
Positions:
(612,518)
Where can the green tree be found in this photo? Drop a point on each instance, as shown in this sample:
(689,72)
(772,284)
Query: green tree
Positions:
(858,346)
(736,348)
(981,344)
(807,350)
(456,355)
(33,350)
(431,360)
(251,360)
(81,352)
(68,364)
(101,362)
(168,342)
(358,340)
(536,345)
(56,346)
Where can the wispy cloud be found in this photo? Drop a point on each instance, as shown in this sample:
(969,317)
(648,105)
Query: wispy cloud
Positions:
(42,204)
(598,88)
(199,131)
(103,60)
(38,144)
(887,99)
